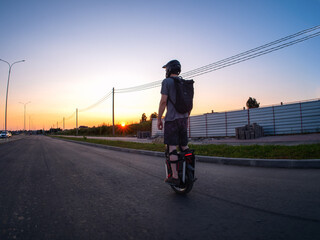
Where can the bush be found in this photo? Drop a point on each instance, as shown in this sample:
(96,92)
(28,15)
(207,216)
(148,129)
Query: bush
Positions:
(104,130)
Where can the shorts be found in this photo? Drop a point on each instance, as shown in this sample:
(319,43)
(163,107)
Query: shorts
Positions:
(176,132)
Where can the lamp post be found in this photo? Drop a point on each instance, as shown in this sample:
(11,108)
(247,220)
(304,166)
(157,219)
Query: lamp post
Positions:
(10,66)
(24,122)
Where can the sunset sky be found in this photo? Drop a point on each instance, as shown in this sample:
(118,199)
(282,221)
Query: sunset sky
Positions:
(77,51)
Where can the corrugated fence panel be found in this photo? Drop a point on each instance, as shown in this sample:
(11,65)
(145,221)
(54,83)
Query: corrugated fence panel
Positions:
(236,119)
(294,118)
(216,124)
(287,119)
(310,116)
(263,117)
(197,126)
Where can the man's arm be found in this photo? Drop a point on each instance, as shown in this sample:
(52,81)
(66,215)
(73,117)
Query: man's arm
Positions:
(162,107)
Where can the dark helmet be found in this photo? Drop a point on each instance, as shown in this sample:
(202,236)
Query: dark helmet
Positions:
(172,67)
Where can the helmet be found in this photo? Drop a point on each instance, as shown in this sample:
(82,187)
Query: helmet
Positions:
(173,66)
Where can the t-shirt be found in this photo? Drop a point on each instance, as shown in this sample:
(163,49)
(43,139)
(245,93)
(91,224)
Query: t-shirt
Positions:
(168,88)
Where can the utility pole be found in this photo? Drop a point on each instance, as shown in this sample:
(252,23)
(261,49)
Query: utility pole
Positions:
(77,122)
(113,111)
(24,119)
(57,125)
(25,111)
(64,119)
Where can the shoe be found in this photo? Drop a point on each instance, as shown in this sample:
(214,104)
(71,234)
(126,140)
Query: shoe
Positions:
(172,181)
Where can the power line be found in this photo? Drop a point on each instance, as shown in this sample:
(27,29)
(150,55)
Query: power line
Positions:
(239,60)
(244,56)
(71,116)
(140,87)
(189,73)
(97,103)
(89,107)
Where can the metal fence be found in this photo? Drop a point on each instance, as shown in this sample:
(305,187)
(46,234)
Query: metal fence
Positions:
(291,118)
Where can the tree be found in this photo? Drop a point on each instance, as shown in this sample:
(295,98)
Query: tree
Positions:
(252,103)
(143,118)
(154,115)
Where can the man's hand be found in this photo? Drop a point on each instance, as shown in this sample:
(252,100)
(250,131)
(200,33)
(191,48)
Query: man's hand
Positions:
(162,107)
(160,124)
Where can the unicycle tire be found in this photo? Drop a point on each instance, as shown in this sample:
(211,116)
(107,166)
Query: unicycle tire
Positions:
(186,187)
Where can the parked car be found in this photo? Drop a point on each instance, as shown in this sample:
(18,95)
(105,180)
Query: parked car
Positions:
(5,134)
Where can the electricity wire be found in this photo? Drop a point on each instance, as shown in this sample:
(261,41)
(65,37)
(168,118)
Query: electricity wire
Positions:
(244,56)
(197,70)
(71,116)
(254,55)
(140,87)
(97,103)
(238,58)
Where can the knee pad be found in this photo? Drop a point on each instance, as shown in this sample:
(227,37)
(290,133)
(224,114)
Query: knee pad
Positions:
(174,152)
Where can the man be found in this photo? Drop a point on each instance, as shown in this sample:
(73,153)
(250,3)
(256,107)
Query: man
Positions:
(176,123)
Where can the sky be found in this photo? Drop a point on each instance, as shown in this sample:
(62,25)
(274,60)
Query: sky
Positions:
(77,51)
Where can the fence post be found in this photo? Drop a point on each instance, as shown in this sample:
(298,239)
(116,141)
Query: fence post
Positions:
(301,118)
(274,122)
(226,121)
(248,116)
(206,125)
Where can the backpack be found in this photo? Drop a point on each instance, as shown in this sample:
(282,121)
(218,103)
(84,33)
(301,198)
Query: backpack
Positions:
(184,95)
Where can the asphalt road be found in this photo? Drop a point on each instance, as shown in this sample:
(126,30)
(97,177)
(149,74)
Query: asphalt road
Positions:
(52,189)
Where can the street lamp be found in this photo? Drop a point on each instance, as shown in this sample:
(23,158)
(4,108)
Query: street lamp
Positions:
(24,122)
(10,66)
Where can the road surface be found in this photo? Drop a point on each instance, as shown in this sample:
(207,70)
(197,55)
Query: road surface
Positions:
(53,189)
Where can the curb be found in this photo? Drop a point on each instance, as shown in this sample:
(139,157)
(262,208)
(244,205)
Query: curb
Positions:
(269,163)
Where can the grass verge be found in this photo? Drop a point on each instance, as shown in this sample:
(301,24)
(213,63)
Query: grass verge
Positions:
(304,151)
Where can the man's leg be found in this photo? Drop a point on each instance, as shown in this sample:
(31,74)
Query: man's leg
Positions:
(171,138)
(183,133)
(184,148)
(173,157)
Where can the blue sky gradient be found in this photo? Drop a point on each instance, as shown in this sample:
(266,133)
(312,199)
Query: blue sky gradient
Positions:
(76,51)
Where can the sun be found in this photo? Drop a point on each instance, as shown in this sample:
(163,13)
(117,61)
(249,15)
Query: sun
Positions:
(123,124)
